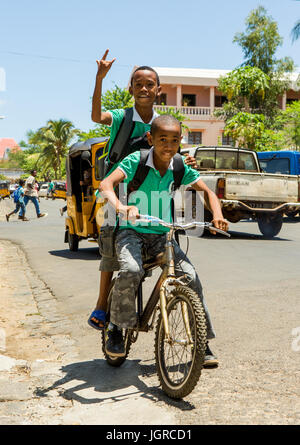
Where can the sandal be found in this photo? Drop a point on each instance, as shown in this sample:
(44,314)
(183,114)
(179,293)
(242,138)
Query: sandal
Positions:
(97,320)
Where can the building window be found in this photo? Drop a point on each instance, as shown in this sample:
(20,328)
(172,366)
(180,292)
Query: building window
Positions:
(226,140)
(162,99)
(220,100)
(195,138)
(189,100)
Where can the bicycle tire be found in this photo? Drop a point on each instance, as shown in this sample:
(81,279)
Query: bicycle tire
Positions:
(184,385)
(115,361)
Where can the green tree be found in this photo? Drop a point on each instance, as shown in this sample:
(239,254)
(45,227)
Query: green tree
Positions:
(244,88)
(245,129)
(289,121)
(296,31)
(259,44)
(54,141)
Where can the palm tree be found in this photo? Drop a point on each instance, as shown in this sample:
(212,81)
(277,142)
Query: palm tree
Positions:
(55,139)
(296,31)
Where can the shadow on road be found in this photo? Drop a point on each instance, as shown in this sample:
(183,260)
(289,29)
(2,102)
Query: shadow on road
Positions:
(241,235)
(97,376)
(291,220)
(81,254)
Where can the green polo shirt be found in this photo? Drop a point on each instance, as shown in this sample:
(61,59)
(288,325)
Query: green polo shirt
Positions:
(154,195)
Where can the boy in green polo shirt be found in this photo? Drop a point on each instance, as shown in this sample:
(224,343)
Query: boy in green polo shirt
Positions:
(134,239)
(145,88)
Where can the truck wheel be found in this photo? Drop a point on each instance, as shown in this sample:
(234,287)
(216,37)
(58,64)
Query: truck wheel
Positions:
(269,225)
(73,241)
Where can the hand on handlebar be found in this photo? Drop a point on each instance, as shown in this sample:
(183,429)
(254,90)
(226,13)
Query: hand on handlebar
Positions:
(219,223)
(129,213)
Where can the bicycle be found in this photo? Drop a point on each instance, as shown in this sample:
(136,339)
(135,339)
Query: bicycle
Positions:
(180,334)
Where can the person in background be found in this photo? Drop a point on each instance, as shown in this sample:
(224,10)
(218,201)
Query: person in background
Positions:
(50,189)
(18,196)
(31,194)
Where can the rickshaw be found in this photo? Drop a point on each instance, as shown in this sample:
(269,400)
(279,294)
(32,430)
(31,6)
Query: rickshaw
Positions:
(4,189)
(83,208)
(59,191)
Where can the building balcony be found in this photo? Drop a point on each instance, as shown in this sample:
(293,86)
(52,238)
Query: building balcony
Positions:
(191,113)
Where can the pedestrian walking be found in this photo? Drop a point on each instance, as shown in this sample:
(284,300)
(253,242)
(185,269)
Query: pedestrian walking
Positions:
(50,189)
(18,197)
(31,194)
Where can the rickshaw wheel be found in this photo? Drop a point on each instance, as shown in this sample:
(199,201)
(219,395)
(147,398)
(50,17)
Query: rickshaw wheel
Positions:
(73,241)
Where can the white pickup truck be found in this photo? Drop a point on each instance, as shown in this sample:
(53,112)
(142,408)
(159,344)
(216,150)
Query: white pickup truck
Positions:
(244,190)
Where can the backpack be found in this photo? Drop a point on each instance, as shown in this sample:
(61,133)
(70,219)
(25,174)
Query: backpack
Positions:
(123,145)
(16,195)
(143,170)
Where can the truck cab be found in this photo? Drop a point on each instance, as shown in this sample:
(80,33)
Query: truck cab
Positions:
(284,162)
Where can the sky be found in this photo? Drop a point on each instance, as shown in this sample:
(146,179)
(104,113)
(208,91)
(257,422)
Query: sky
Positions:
(48,49)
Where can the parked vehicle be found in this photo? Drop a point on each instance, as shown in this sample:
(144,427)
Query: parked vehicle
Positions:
(82,204)
(285,162)
(244,190)
(43,190)
(12,188)
(4,189)
(59,190)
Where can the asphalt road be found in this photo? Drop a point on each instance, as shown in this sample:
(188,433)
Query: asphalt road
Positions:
(252,287)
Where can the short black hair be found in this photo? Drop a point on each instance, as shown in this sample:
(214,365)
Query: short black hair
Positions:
(144,68)
(21,182)
(161,119)
(31,172)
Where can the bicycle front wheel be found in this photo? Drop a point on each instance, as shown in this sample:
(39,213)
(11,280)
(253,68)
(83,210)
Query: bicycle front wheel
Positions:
(179,359)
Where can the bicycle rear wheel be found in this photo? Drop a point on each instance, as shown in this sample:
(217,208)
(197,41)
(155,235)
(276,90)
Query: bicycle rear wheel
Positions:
(179,362)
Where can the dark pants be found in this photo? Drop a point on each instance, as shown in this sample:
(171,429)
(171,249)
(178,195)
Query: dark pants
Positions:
(20,205)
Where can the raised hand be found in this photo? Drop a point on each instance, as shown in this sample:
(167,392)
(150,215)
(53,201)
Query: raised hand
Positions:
(104,65)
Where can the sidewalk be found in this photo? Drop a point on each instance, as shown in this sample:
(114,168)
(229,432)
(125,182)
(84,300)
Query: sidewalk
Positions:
(32,349)
(43,381)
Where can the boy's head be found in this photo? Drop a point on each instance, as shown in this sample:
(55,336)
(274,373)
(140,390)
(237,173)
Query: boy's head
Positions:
(21,182)
(165,136)
(144,85)
(33,172)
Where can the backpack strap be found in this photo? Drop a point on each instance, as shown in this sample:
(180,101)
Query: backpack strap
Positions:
(117,151)
(178,171)
(140,174)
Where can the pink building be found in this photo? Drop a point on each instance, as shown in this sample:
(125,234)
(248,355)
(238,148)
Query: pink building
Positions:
(194,92)
(6,145)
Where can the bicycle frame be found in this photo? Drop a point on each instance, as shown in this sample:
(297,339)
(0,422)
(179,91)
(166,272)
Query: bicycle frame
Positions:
(159,293)
(167,278)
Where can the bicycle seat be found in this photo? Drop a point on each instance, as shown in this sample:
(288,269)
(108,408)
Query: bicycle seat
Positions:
(153,262)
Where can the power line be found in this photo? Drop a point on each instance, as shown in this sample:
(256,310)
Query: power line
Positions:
(65,59)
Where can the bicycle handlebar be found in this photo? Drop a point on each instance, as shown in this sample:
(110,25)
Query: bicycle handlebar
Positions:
(177,226)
